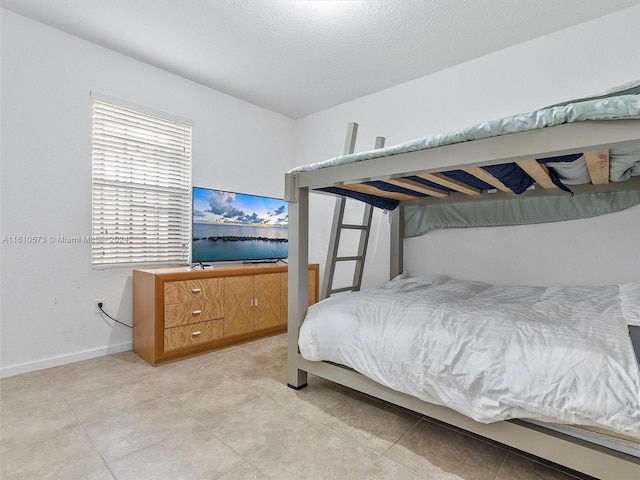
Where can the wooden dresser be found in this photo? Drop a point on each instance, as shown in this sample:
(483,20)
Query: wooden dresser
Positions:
(181,312)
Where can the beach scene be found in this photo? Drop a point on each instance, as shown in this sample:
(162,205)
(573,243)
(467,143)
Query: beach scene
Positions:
(230,226)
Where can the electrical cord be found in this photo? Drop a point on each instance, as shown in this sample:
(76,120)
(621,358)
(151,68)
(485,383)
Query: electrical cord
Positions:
(121,323)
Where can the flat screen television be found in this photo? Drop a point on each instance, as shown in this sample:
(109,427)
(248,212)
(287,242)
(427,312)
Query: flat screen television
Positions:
(231,226)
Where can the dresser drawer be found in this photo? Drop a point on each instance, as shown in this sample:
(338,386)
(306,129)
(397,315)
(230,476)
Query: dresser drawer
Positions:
(192,312)
(178,337)
(191,290)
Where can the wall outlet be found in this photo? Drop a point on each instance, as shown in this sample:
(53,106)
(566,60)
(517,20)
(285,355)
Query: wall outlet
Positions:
(96,309)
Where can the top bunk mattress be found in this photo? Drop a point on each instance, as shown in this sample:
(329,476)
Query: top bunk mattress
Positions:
(550,173)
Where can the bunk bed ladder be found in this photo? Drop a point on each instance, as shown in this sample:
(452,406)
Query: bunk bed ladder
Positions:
(338,226)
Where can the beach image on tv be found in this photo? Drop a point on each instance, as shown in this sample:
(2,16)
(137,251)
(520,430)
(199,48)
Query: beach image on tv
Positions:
(236,226)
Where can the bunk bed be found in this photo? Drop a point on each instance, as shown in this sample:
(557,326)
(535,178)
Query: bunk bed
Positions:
(583,156)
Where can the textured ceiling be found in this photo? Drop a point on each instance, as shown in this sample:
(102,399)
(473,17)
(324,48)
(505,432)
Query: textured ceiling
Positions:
(298,57)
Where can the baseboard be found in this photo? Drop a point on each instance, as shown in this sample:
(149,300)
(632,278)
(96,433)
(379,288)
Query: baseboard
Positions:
(12,370)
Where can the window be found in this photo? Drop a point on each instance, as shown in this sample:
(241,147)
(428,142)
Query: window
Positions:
(141,190)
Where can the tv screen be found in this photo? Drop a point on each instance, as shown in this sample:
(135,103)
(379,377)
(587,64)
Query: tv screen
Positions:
(230,226)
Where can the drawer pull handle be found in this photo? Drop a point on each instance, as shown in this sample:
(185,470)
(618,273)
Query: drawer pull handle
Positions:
(195,334)
(197,312)
(196,290)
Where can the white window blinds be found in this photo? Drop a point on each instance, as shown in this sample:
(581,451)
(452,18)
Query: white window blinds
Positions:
(141,200)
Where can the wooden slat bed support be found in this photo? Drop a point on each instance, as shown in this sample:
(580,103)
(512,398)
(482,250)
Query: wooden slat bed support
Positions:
(486,177)
(371,190)
(598,166)
(445,181)
(418,187)
(538,172)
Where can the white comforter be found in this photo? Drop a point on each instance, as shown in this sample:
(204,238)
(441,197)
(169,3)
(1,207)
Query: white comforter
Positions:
(560,354)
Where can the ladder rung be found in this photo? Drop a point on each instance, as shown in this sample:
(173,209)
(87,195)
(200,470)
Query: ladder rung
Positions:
(347,259)
(355,227)
(364,228)
(344,289)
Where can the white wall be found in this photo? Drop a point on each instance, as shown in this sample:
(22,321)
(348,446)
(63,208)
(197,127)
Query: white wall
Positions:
(48,290)
(583,60)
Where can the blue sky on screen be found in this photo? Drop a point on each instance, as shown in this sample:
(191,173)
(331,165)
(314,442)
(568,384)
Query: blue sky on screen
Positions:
(217,206)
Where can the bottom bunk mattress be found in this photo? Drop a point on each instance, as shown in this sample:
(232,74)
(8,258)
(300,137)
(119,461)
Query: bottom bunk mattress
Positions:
(554,354)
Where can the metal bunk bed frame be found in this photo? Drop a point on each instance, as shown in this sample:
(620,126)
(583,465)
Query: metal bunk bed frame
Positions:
(585,455)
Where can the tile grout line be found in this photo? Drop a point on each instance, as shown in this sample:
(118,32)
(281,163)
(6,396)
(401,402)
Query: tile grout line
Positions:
(384,455)
(504,460)
(201,423)
(267,393)
(82,426)
(84,431)
(244,459)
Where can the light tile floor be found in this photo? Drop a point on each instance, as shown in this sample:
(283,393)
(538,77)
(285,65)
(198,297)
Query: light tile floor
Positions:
(227,415)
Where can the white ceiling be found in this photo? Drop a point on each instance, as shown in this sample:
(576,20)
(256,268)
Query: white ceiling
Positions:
(298,57)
